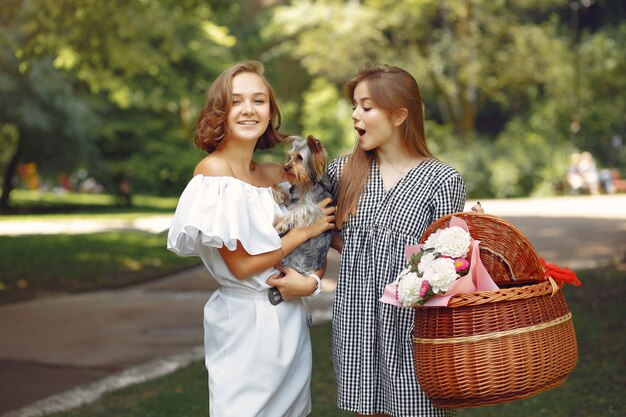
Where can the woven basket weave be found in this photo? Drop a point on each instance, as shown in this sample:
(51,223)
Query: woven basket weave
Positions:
(491,347)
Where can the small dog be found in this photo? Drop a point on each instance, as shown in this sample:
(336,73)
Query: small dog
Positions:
(306,172)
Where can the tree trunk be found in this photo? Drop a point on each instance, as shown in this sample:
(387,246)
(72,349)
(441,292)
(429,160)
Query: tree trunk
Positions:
(9,173)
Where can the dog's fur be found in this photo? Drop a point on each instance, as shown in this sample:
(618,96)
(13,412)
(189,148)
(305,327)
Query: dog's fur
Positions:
(306,172)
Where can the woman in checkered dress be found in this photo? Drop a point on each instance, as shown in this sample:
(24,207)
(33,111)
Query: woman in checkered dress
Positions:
(387,191)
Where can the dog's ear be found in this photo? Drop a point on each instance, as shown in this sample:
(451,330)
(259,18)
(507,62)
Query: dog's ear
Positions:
(314,144)
(320,158)
(291,139)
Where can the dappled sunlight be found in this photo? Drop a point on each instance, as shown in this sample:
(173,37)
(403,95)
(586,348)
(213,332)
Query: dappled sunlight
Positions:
(84,261)
(51,197)
(130,263)
(92,256)
(48,205)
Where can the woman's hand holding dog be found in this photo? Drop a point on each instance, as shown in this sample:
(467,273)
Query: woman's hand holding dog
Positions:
(292,285)
(326,222)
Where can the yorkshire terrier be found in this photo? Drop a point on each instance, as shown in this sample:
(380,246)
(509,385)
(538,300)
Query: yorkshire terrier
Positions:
(305,170)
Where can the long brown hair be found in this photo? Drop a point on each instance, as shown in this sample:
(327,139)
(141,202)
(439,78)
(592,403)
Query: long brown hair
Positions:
(210,128)
(392,89)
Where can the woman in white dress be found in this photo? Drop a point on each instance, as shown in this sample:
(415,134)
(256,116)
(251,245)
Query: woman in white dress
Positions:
(258,355)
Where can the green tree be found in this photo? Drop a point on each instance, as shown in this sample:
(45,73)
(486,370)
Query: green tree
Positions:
(601,109)
(138,52)
(140,61)
(326,115)
(45,117)
(466,54)
(538,77)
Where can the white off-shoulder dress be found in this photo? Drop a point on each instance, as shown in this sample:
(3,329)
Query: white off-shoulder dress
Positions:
(258,355)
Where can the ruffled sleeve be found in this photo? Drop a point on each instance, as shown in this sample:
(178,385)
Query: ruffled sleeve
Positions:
(219,211)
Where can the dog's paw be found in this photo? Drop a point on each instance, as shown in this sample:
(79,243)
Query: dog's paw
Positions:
(280,195)
(281,225)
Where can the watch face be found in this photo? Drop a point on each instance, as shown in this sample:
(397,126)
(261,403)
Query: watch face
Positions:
(274,296)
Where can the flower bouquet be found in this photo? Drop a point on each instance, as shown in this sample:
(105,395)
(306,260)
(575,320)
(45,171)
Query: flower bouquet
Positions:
(447,263)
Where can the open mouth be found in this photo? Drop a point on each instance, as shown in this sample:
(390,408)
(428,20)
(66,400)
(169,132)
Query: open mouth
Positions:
(247,122)
(360,131)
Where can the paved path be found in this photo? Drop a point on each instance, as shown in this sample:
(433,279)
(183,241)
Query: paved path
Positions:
(59,352)
(152,224)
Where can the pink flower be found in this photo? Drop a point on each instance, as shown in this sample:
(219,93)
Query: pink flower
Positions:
(461,264)
(424,288)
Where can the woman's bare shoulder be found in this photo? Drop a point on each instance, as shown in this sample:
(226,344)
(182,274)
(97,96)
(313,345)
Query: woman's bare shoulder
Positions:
(213,166)
(270,172)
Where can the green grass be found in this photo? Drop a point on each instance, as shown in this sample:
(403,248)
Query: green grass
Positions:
(32,264)
(180,394)
(593,389)
(184,393)
(31,205)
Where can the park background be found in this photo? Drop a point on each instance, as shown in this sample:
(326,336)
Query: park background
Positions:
(110,91)
(94,94)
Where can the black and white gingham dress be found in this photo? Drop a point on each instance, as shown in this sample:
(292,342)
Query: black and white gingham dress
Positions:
(372,341)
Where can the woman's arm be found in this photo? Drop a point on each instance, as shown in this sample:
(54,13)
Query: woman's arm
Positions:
(450,197)
(293,285)
(336,241)
(242,264)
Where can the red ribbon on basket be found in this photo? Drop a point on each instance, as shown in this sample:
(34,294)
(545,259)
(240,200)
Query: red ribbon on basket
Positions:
(560,274)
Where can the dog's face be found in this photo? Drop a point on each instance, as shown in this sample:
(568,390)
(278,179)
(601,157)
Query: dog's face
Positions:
(307,161)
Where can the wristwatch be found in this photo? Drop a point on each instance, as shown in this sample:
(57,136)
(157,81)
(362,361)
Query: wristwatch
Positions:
(319,285)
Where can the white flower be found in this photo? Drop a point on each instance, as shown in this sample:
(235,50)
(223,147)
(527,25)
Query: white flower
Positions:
(453,242)
(431,242)
(409,289)
(425,260)
(404,272)
(440,274)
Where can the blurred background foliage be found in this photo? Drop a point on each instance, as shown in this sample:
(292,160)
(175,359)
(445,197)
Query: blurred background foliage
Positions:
(112,88)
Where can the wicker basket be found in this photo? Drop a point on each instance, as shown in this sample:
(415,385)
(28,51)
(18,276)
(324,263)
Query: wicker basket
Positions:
(491,347)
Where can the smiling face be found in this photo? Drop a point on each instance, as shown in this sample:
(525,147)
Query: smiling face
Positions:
(372,122)
(249,113)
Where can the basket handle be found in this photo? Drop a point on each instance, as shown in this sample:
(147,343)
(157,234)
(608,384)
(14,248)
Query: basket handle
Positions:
(503,259)
(555,287)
